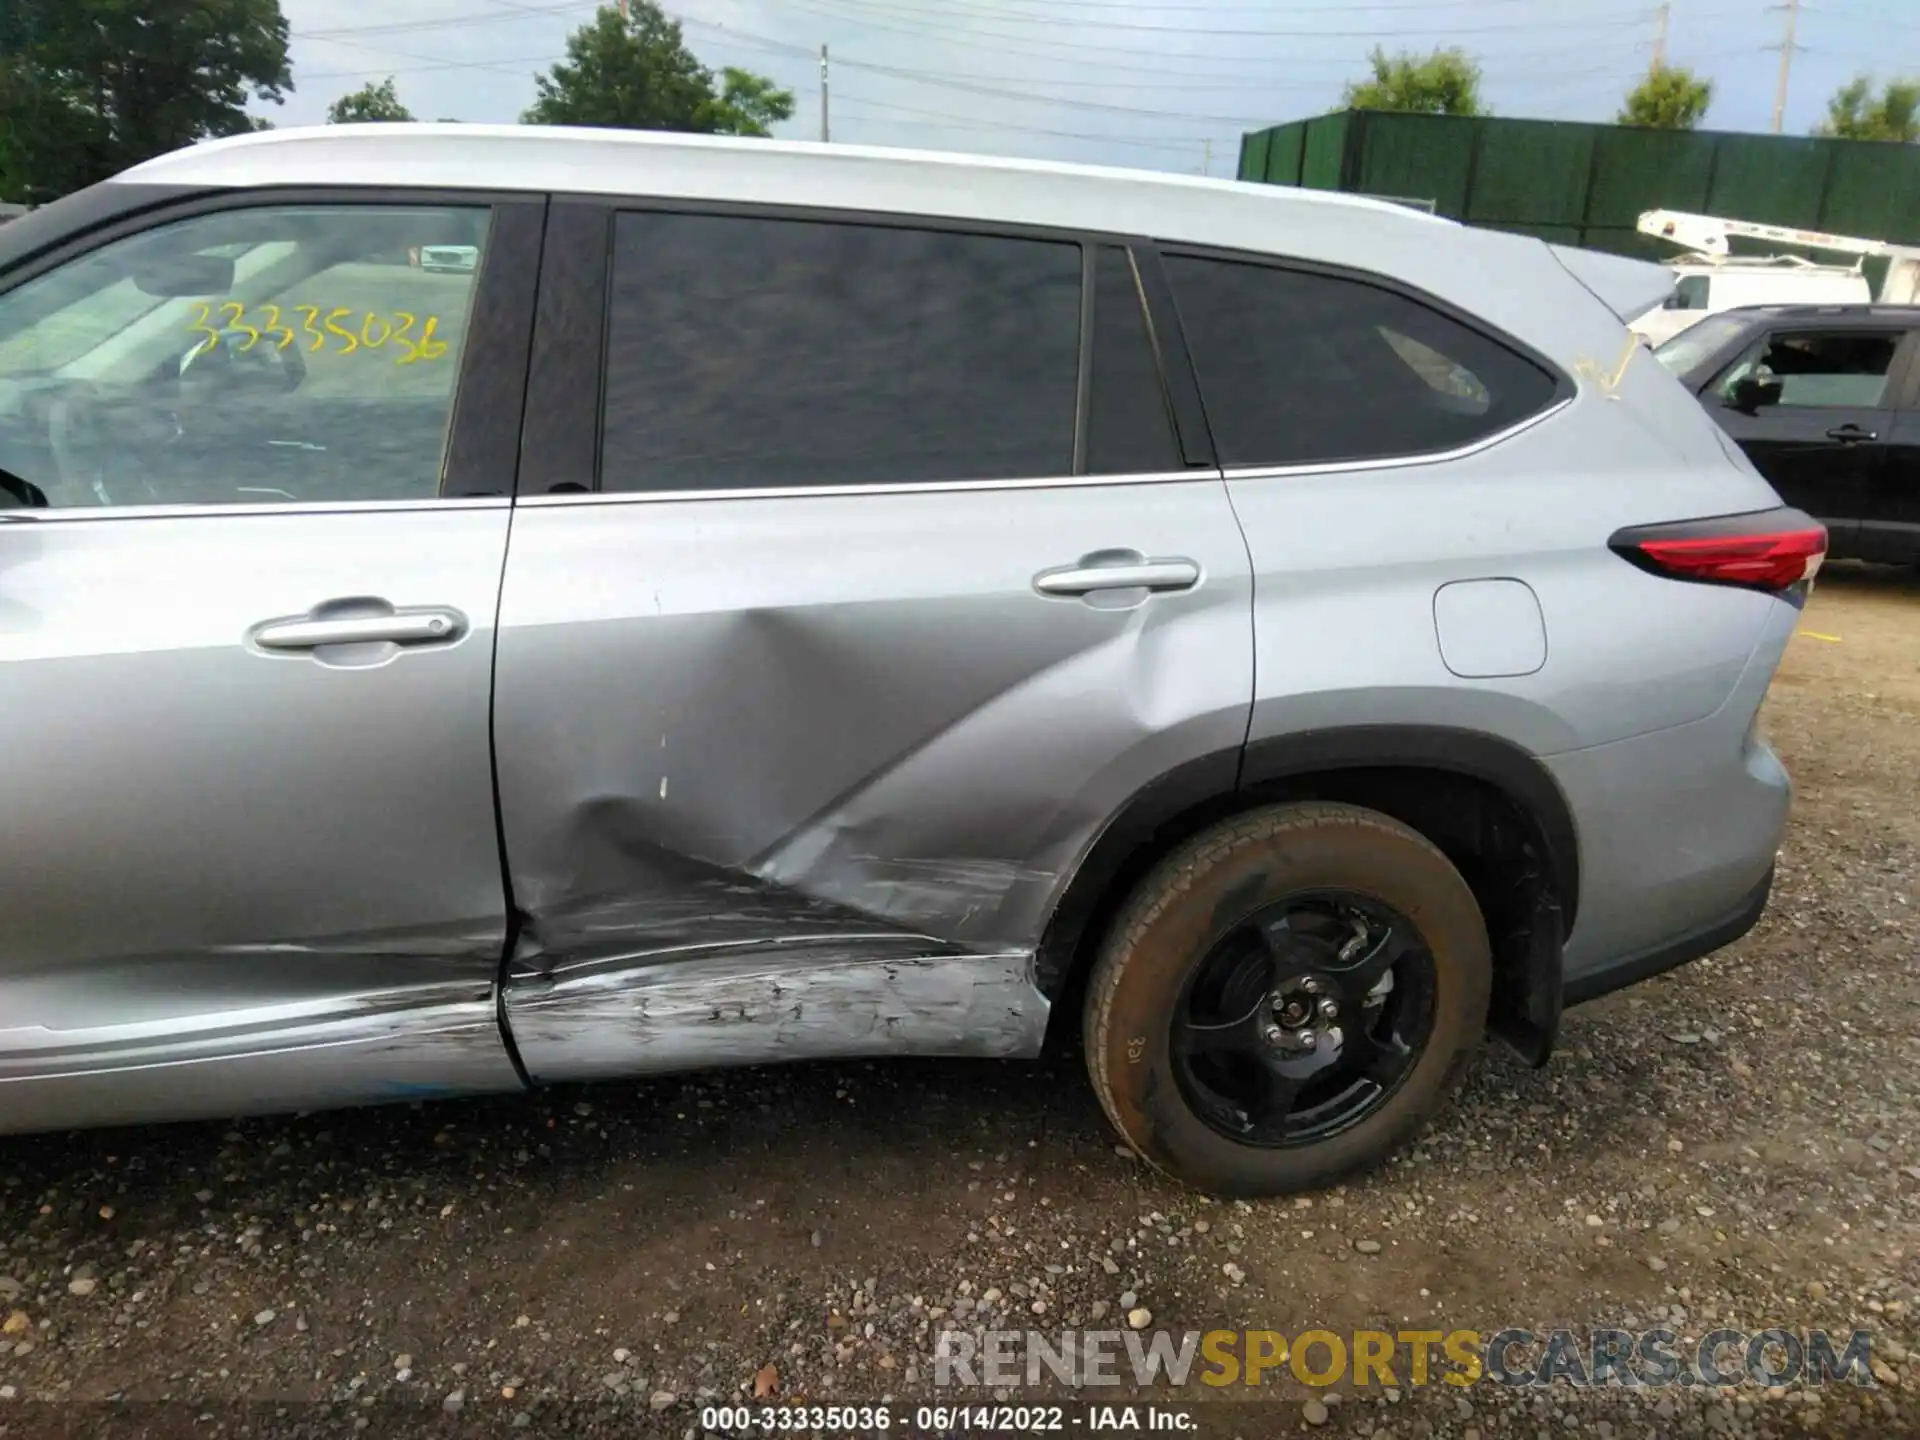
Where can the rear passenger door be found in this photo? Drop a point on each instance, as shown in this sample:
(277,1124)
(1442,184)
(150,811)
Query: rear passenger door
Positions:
(1891,529)
(844,607)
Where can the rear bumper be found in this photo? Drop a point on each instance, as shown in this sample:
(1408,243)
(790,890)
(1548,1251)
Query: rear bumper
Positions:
(1674,953)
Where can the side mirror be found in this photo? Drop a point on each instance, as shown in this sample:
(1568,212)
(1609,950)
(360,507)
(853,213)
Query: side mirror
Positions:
(179,275)
(1755,392)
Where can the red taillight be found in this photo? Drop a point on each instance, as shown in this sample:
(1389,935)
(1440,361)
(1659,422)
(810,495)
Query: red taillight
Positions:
(1773,562)
(1774,551)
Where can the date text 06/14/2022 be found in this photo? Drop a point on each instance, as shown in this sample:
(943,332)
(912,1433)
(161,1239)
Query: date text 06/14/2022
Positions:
(946,1420)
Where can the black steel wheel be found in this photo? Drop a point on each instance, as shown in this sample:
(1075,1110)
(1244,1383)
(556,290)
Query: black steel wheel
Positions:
(1286,997)
(1304,1018)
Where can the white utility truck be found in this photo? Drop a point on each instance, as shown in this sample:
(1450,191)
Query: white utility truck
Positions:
(1712,278)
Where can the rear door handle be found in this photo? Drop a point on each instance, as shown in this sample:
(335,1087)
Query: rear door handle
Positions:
(1850,434)
(414,627)
(1085,579)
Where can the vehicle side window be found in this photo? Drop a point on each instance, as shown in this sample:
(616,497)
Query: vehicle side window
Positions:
(747,353)
(1843,368)
(290,353)
(1129,425)
(1300,368)
(1690,293)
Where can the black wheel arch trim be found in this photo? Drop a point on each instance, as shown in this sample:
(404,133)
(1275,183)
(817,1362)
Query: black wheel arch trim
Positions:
(1472,753)
(1223,781)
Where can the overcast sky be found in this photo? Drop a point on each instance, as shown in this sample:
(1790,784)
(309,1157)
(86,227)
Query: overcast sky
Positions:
(1122,82)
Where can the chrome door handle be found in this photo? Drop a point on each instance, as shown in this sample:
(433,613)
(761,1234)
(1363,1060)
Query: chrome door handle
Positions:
(418,627)
(1850,434)
(1146,575)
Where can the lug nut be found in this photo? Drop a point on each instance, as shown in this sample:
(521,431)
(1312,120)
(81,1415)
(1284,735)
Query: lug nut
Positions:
(1306,1040)
(1329,1010)
(1275,1035)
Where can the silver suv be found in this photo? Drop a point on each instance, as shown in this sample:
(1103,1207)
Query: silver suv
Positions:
(786,601)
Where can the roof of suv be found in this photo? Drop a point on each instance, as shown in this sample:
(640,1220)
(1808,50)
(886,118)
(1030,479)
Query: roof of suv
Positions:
(598,161)
(1836,314)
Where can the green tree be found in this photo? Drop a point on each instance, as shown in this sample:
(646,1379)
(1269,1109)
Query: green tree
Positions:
(1856,113)
(1672,97)
(369,102)
(90,87)
(636,73)
(1443,82)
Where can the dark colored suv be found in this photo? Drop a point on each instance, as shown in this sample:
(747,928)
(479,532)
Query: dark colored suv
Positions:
(1825,400)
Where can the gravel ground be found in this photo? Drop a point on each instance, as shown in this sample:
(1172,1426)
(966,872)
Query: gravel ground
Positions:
(1733,1144)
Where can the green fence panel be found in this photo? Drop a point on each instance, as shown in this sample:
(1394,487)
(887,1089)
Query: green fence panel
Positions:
(1253,155)
(1531,172)
(1417,157)
(1242,170)
(1324,151)
(1544,177)
(1636,170)
(1776,179)
(1286,144)
(1873,191)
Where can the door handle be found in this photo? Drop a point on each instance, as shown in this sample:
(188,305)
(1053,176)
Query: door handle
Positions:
(1084,579)
(1850,434)
(413,627)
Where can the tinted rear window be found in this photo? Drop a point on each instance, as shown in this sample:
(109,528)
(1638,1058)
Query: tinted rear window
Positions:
(746,353)
(1301,368)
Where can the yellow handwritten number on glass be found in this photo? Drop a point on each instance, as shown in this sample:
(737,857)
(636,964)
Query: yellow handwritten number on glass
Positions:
(428,348)
(367,337)
(274,327)
(201,327)
(312,326)
(235,322)
(346,335)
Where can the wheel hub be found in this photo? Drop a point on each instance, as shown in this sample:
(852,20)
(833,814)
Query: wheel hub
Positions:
(1306,1012)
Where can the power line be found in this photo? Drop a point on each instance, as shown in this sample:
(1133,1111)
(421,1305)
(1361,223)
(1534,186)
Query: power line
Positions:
(966,122)
(462,21)
(955,8)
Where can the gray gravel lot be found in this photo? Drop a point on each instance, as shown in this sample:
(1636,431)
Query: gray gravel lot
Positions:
(1736,1144)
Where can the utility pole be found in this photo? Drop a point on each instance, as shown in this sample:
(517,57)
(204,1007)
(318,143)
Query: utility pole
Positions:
(826,133)
(1206,159)
(1786,48)
(1663,15)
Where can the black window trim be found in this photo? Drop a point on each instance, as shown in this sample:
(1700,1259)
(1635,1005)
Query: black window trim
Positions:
(565,405)
(482,433)
(1562,395)
(1902,372)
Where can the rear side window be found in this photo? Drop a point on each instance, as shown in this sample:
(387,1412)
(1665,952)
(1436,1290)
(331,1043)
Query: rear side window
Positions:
(1301,368)
(1129,427)
(747,353)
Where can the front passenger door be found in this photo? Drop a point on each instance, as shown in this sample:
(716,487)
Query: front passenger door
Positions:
(1823,443)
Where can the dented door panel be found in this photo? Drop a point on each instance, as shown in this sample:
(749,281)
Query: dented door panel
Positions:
(798,775)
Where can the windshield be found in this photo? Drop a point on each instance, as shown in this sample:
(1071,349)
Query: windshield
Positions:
(1697,341)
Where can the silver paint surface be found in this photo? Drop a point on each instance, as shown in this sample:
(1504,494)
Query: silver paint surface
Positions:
(845,723)
(238,880)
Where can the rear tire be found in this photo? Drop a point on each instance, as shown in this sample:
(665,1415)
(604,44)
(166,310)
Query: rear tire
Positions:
(1194,1029)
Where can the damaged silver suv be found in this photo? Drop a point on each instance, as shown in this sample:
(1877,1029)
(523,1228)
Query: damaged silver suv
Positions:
(781,601)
